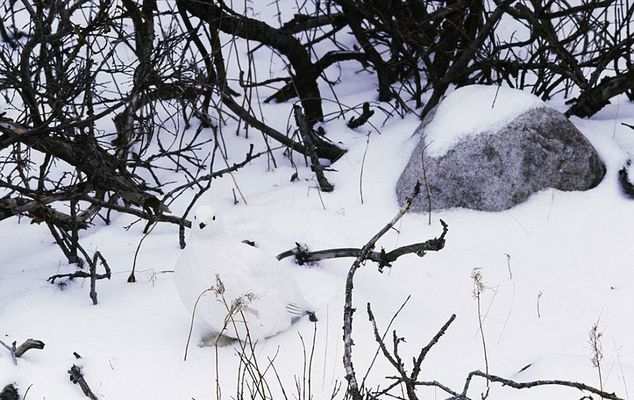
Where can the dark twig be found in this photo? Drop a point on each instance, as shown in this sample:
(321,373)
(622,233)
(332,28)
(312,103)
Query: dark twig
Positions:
(92,274)
(28,345)
(77,377)
(76,274)
(423,352)
(384,259)
(532,384)
(394,358)
(348,310)
(356,122)
(381,337)
(594,99)
(307,136)
(18,351)
(410,380)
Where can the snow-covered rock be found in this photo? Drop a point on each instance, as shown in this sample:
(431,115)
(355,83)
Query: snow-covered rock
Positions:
(493,168)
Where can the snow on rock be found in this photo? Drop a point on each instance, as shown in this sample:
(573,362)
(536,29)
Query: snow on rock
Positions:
(495,171)
(473,109)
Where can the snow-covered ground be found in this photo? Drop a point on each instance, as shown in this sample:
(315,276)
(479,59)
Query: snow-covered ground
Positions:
(552,268)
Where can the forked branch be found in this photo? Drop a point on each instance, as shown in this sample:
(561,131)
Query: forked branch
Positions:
(353,384)
(383,258)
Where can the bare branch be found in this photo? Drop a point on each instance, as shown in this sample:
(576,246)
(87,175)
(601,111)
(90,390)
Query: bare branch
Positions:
(77,377)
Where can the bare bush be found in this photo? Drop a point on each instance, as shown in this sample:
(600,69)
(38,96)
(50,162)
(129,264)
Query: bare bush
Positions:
(121,105)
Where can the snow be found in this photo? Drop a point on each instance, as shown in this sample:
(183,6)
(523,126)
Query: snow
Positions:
(552,267)
(573,248)
(474,109)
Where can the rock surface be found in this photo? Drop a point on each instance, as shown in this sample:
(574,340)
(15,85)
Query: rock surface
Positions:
(493,171)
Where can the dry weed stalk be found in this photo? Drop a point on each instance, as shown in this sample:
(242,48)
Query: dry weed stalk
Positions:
(597,350)
(478,288)
(252,380)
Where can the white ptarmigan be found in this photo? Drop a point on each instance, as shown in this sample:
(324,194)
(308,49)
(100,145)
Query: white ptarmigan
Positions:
(239,288)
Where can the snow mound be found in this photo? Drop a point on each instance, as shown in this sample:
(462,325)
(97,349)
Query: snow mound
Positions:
(472,109)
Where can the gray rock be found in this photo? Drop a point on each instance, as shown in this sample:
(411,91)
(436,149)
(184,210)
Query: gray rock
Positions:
(494,171)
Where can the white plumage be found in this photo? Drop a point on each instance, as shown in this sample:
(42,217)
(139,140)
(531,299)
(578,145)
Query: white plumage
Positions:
(238,287)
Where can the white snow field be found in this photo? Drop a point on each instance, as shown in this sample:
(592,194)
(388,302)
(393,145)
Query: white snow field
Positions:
(553,267)
(569,266)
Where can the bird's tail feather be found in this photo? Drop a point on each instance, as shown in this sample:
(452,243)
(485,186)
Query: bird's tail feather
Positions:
(298,311)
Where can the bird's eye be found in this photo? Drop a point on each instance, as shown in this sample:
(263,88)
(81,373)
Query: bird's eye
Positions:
(202,225)
(213,218)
